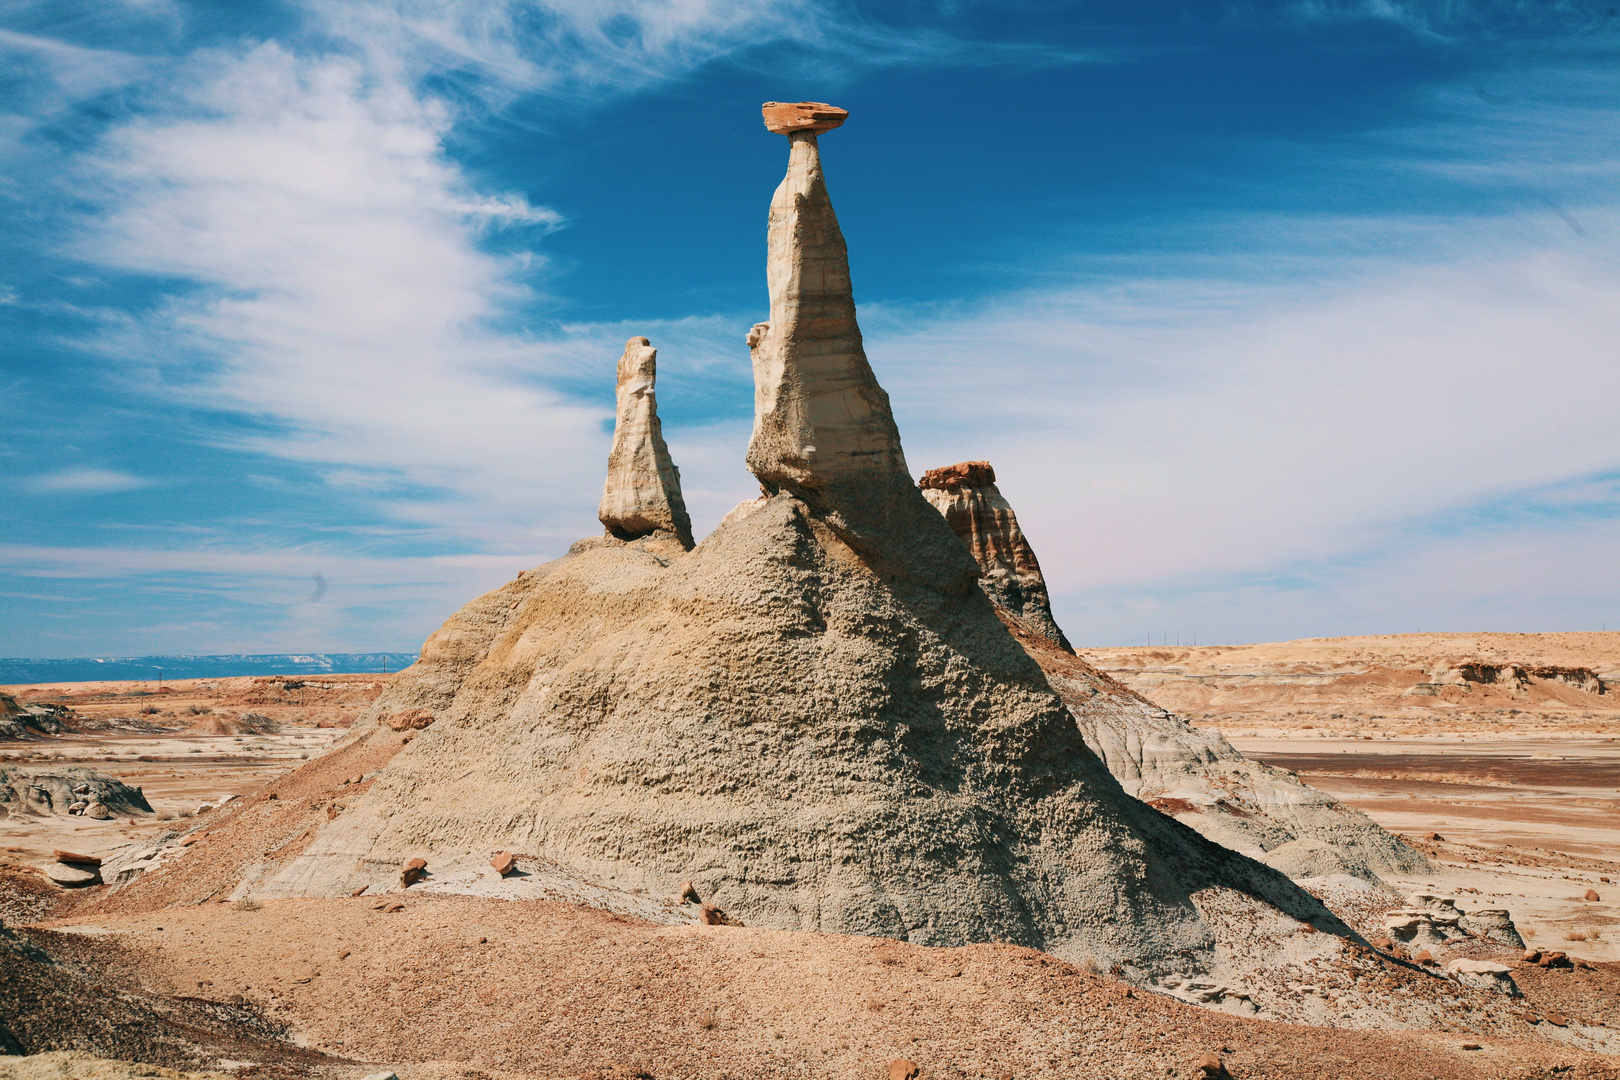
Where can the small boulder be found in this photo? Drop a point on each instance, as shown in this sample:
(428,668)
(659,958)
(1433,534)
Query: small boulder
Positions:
(414,871)
(1591,894)
(1531,956)
(101,813)
(689,894)
(1433,836)
(504,863)
(1554,960)
(389,909)
(713,916)
(1484,975)
(1209,1067)
(901,1069)
(72,875)
(1556,1019)
(1423,956)
(75,858)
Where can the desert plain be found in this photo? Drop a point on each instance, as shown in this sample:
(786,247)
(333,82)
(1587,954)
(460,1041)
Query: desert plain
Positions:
(1513,792)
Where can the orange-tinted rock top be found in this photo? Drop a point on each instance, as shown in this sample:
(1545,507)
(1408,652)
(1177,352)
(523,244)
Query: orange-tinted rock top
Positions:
(962,474)
(813,116)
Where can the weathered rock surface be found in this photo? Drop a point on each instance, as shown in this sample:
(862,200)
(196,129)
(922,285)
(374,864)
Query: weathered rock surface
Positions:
(642,496)
(1194,776)
(811,117)
(18,721)
(823,431)
(966,494)
(73,790)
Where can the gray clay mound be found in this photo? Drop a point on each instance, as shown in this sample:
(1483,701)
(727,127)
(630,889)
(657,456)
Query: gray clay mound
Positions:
(248,723)
(813,745)
(72,790)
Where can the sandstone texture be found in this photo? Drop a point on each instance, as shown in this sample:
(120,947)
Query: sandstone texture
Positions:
(966,494)
(823,432)
(642,495)
(810,117)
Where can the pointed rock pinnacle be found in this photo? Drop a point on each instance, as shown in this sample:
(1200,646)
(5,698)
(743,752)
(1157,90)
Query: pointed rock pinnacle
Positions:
(823,430)
(974,508)
(642,495)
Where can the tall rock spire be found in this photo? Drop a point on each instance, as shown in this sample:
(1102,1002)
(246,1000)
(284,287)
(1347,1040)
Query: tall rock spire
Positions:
(642,495)
(823,430)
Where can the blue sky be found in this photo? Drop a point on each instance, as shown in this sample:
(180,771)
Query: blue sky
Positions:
(1276,319)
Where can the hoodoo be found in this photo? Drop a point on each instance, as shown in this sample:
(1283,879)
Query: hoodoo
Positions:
(811,720)
(642,496)
(1195,776)
(966,494)
(823,431)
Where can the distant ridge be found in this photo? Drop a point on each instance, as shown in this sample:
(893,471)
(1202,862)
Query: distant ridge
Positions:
(97,668)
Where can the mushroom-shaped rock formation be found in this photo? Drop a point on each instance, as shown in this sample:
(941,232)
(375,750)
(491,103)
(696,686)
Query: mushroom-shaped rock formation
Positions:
(823,431)
(966,494)
(642,496)
(1195,776)
(811,739)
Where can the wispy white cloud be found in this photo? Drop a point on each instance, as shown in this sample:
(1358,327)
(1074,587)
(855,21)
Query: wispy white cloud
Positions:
(88,481)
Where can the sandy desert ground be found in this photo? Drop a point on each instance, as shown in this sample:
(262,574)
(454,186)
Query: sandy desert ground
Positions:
(1517,797)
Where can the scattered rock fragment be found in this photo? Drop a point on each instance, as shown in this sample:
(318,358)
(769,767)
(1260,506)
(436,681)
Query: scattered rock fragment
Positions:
(901,1069)
(407,720)
(504,863)
(389,909)
(1556,1019)
(1433,836)
(689,894)
(75,859)
(1423,956)
(713,916)
(1592,894)
(360,891)
(1209,1066)
(414,871)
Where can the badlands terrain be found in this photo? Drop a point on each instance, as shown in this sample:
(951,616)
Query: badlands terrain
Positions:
(825,793)
(462,986)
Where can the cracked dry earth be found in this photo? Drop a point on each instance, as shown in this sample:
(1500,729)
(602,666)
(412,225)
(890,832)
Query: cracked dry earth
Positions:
(466,987)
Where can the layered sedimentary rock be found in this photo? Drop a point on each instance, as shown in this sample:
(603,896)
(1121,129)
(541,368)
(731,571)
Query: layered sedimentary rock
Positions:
(823,431)
(966,494)
(1195,776)
(642,495)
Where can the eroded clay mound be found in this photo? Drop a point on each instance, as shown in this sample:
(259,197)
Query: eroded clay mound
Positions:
(811,744)
(74,790)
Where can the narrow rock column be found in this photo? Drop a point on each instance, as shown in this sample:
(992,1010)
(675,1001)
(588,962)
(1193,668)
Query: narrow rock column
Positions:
(967,496)
(642,495)
(823,429)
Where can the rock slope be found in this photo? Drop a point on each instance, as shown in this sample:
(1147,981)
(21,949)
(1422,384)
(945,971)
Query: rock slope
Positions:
(1195,776)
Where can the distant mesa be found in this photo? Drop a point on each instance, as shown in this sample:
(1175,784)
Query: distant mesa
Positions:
(813,117)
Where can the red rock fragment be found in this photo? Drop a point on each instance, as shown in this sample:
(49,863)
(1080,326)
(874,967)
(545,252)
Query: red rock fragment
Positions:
(1382,943)
(73,858)
(391,908)
(360,890)
(344,955)
(1592,894)
(414,871)
(1556,1019)
(901,1069)
(409,720)
(1424,956)
(784,118)
(504,863)
(713,916)
(1209,1067)
(689,895)
(1433,836)
(1531,956)
(962,474)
